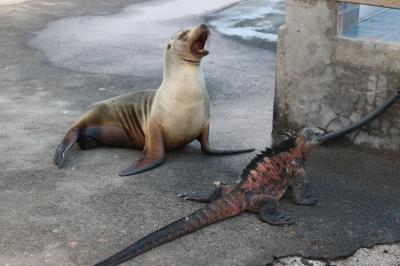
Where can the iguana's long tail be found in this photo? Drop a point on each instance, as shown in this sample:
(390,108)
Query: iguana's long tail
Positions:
(228,206)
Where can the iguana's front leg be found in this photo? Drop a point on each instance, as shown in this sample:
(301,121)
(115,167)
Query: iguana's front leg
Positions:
(299,189)
(207,197)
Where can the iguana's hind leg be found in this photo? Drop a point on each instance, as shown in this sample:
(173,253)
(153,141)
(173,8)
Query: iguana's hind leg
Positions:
(270,214)
(267,208)
(206,197)
(299,191)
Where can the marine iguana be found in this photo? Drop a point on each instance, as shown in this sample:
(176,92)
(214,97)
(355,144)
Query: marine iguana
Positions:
(258,189)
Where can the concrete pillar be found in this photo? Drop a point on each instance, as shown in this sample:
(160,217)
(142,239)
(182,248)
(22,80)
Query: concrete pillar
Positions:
(326,81)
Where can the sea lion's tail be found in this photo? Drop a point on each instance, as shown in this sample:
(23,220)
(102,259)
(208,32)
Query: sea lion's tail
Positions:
(61,151)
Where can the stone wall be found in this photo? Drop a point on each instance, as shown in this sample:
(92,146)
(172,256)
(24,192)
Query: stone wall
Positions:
(329,82)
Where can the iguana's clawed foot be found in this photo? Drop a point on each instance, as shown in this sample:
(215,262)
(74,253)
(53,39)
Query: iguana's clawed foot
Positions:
(276,218)
(219,184)
(269,213)
(308,200)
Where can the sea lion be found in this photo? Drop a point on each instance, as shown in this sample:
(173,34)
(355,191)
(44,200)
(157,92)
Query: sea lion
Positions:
(154,120)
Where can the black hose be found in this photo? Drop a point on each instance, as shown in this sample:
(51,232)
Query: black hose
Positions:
(371,116)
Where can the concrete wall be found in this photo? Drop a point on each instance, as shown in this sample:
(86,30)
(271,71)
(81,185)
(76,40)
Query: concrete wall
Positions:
(327,81)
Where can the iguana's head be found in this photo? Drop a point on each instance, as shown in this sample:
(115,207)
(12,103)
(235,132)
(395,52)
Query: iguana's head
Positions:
(188,44)
(309,138)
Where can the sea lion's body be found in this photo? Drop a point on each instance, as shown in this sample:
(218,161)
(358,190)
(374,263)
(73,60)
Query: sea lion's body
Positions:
(154,120)
(129,112)
(182,118)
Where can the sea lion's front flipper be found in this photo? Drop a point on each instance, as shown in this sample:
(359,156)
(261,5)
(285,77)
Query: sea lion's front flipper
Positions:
(153,153)
(205,147)
(61,151)
(142,165)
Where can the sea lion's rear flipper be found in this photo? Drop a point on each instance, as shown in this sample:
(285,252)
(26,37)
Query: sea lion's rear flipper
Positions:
(153,153)
(205,147)
(61,151)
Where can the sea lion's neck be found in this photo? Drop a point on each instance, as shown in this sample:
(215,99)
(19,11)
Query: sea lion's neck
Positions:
(182,76)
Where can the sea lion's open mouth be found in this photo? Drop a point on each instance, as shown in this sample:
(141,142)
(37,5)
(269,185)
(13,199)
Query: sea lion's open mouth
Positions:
(197,47)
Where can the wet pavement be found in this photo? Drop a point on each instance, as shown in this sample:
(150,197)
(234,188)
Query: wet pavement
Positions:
(254,21)
(57,58)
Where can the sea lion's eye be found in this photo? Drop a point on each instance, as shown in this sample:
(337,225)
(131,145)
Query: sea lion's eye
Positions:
(168,46)
(183,35)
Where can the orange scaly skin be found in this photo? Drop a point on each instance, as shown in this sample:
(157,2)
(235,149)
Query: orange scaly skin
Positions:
(258,189)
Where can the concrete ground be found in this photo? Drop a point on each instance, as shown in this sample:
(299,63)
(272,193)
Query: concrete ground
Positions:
(378,255)
(58,57)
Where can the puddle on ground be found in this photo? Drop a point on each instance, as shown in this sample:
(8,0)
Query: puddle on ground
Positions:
(128,42)
(132,41)
(249,20)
